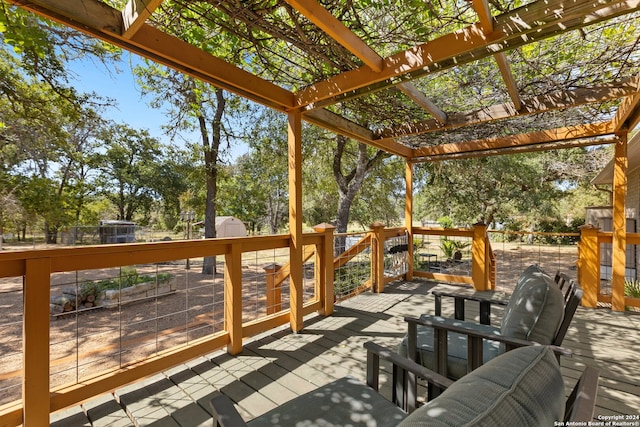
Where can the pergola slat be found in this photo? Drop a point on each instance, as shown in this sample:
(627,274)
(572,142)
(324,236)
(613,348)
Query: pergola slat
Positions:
(628,113)
(534,21)
(554,101)
(354,44)
(328,120)
(328,23)
(136,13)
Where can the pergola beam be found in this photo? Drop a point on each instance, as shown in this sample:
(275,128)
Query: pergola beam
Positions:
(104,22)
(136,13)
(331,25)
(542,137)
(628,114)
(421,99)
(328,23)
(534,21)
(509,80)
(540,104)
(336,123)
(546,146)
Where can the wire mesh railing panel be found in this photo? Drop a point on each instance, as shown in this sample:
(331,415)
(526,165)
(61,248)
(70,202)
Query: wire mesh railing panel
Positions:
(309,291)
(265,284)
(427,254)
(107,319)
(396,253)
(443,254)
(11,322)
(354,264)
(515,251)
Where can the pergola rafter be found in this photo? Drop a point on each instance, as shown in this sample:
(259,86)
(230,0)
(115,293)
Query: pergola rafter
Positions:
(491,37)
(535,21)
(486,21)
(550,102)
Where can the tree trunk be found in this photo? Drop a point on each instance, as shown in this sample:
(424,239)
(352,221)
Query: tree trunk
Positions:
(349,184)
(211,166)
(51,233)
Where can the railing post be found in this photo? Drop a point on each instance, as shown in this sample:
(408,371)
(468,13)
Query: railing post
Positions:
(408,218)
(233,297)
(589,265)
(324,268)
(274,288)
(377,257)
(479,259)
(619,241)
(35,338)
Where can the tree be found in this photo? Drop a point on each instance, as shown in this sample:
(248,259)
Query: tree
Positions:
(524,187)
(349,170)
(128,177)
(194,105)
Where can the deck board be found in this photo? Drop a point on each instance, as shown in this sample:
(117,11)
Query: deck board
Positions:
(277,366)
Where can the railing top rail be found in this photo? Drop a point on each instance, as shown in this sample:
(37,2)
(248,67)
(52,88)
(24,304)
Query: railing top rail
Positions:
(460,232)
(534,233)
(103,256)
(353,233)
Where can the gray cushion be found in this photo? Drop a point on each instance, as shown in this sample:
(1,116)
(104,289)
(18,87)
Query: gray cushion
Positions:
(344,402)
(535,309)
(457,348)
(522,387)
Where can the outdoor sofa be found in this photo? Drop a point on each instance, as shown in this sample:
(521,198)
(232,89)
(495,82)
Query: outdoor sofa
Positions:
(523,387)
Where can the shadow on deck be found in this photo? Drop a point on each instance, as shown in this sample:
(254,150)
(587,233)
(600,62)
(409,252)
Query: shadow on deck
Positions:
(276,367)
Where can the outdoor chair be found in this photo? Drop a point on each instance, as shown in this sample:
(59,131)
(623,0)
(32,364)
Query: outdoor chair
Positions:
(537,312)
(487,299)
(523,387)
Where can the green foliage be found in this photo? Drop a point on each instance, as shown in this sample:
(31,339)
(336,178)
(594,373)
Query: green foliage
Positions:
(632,288)
(445,222)
(452,248)
(128,277)
(350,277)
(129,169)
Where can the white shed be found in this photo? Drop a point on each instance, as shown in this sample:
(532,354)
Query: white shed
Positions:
(229,226)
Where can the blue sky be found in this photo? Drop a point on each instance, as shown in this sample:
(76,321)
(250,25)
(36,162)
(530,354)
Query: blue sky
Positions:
(131,107)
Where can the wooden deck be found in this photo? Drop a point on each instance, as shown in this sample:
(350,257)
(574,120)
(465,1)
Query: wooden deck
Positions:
(276,367)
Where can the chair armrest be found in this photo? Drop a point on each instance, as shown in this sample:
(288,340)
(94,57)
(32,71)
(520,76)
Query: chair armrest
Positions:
(224,413)
(484,298)
(405,373)
(581,403)
(442,326)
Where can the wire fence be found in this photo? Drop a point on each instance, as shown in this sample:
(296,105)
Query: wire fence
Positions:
(103,320)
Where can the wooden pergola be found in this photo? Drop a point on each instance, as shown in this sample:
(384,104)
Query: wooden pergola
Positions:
(337,66)
(352,73)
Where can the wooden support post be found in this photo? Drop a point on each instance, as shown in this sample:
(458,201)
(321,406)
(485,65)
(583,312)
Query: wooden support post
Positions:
(295,219)
(233,297)
(274,289)
(377,257)
(589,265)
(618,248)
(408,218)
(35,341)
(324,268)
(479,262)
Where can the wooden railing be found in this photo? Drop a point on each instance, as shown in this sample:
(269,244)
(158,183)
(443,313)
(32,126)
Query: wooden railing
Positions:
(589,266)
(36,267)
(482,261)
